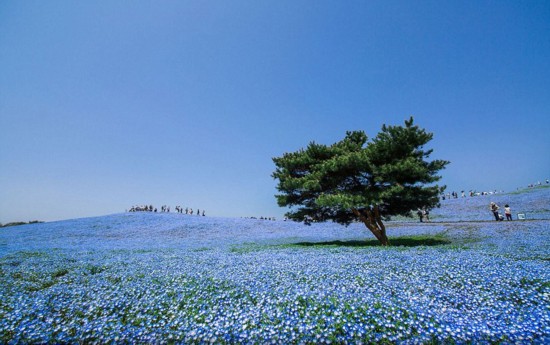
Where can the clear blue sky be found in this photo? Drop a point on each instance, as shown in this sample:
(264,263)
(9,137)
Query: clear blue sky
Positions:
(108,104)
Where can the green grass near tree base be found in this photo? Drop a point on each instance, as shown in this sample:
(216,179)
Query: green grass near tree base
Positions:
(404,241)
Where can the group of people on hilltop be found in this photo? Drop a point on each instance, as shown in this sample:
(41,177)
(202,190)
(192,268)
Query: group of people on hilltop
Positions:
(166,209)
(471,193)
(187,210)
(262,218)
(498,217)
(146,208)
(532,185)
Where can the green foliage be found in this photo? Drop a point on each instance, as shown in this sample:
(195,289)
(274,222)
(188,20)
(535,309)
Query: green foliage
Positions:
(19,223)
(403,241)
(390,172)
(12,224)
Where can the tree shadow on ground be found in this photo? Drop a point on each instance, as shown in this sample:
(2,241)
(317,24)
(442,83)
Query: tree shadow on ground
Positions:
(394,242)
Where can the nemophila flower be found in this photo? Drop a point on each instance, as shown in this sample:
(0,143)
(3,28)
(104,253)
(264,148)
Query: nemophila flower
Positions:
(160,278)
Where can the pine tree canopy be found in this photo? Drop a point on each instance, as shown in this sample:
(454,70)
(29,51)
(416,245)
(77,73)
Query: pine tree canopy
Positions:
(356,179)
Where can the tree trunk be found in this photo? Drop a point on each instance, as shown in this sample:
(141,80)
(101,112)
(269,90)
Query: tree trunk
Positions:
(373,222)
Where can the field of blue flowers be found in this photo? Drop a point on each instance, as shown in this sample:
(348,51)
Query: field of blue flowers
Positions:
(172,278)
(534,203)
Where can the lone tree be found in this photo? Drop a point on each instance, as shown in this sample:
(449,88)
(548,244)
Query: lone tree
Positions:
(355,180)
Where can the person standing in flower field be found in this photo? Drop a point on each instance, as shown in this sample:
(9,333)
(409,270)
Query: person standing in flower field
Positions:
(508,212)
(494,208)
(420,215)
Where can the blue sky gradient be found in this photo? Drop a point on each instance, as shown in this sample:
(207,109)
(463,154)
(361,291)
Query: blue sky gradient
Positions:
(108,104)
